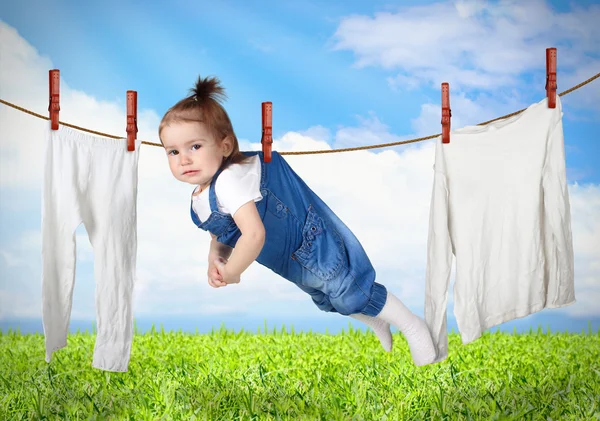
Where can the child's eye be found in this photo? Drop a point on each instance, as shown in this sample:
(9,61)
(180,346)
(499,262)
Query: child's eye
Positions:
(171,152)
(199,146)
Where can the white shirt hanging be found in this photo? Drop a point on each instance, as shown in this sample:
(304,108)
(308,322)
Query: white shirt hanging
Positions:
(500,204)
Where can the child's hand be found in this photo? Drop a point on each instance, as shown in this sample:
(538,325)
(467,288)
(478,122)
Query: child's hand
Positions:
(225,276)
(215,280)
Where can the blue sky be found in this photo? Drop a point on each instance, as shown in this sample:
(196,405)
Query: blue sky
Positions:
(284,52)
(339,74)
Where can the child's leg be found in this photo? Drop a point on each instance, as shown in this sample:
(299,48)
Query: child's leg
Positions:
(379,326)
(321,300)
(412,327)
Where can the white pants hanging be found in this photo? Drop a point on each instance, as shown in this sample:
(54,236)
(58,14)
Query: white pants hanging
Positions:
(92,180)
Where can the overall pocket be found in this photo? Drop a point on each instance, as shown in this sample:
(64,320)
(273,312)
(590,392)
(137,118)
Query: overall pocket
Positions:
(322,251)
(273,205)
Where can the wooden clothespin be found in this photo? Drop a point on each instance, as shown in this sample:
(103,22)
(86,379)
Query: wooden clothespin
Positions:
(551,77)
(132,128)
(446,113)
(54,104)
(267,130)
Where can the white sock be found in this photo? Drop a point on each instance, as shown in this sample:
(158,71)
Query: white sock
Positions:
(380,327)
(412,327)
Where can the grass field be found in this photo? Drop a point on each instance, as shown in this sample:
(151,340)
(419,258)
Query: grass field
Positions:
(306,376)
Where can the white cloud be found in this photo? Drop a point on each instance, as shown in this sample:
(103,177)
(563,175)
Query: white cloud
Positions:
(476,44)
(383,195)
(9,301)
(585,208)
(317,133)
(10,258)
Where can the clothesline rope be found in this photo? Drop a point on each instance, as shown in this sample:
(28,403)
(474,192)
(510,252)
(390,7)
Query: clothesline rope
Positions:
(382,145)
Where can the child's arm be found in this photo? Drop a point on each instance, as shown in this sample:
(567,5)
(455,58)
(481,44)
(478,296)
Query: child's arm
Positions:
(249,245)
(218,250)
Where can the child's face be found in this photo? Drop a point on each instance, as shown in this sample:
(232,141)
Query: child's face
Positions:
(194,154)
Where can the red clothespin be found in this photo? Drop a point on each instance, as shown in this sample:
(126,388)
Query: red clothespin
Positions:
(54,104)
(132,128)
(267,130)
(551,77)
(446,113)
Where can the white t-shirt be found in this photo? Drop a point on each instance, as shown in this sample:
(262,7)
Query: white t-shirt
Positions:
(500,204)
(236,185)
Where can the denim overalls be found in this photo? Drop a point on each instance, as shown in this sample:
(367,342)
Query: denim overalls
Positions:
(305,243)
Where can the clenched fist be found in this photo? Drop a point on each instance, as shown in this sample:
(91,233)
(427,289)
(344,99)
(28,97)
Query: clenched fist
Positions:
(215,279)
(224,274)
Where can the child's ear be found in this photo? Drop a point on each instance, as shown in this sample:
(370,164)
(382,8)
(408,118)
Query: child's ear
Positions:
(227,145)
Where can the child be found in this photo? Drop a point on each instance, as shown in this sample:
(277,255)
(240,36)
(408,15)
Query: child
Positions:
(268,214)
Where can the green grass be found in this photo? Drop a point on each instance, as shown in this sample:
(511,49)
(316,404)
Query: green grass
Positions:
(307,376)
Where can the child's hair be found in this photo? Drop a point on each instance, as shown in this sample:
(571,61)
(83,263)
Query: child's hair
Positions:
(203,106)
